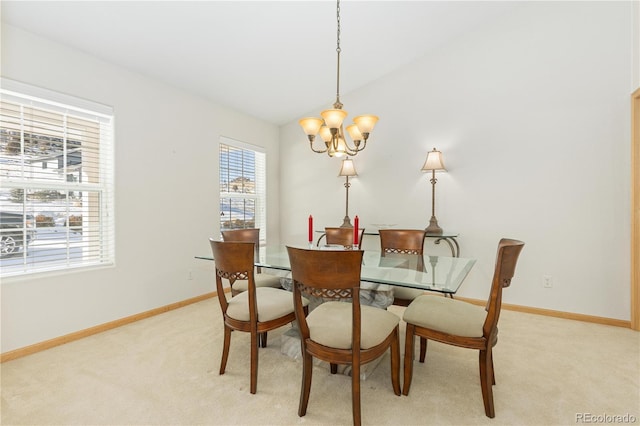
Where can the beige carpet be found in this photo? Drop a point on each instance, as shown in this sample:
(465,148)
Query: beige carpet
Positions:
(164,370)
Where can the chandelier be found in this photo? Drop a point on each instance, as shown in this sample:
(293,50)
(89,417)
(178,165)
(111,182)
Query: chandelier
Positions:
(330,125)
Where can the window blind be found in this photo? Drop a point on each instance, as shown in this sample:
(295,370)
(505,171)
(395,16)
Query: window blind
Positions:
(242,186)
(56,169)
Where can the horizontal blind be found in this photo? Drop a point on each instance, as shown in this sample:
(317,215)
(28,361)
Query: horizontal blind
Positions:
(242,187)
(56,164)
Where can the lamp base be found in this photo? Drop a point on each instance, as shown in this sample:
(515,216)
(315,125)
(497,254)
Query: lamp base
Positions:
(433,228)
(346,223)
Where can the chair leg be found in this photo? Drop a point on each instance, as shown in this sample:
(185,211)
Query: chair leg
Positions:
(355,394)
(408,358)
(334,368)
(395,362)
(254,361)
(307,370)
(493,374)
(485,382)
(263,339)
(225,349)
(423,348)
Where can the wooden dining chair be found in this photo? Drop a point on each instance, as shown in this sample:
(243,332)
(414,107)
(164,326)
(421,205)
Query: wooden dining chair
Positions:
(340,330)
(342,237)
(249,235)
(255,311)
(405,243)
(463,324)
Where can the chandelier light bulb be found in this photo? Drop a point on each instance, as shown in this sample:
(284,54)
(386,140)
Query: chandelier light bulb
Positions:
(339,149)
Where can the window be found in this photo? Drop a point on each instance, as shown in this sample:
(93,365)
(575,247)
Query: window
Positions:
(242,186)
(56,170)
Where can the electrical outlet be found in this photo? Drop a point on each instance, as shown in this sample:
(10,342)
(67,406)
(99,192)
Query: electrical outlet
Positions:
(547,281)
(190,274)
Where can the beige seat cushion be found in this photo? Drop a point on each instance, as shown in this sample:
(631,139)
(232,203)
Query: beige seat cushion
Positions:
(406,293)
(446,315)
(262,280)
(272,303)
(330,325)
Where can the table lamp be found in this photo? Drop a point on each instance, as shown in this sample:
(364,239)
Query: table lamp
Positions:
(348,169)
(432,164)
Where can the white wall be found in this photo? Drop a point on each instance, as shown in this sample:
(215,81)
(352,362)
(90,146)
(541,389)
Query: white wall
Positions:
(636,43)
(532,116)
(166,194)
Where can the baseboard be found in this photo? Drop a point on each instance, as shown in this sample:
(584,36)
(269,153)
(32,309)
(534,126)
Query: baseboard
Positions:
(557,314)
(48,344)
(28,350)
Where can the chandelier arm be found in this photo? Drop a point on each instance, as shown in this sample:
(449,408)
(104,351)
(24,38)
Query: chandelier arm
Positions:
(340,134)
(317,151)
(351,150)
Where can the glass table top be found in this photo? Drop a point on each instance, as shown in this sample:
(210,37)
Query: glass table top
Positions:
(435,273)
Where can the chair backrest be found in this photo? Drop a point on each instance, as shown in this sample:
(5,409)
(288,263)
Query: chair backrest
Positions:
(330,275)
(343,236)
(234,261)
(248,235)
(506,259)
(404,243)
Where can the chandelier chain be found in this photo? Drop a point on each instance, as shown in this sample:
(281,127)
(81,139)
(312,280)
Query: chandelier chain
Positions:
(338,32)
(338,104)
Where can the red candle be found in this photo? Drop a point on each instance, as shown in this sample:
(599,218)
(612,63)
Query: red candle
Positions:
(355,231)
(310,229)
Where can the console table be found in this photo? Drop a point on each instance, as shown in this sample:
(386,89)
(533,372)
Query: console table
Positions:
(447,237)
(450,239)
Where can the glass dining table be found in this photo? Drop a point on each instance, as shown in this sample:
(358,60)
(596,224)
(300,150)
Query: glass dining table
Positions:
(380,274)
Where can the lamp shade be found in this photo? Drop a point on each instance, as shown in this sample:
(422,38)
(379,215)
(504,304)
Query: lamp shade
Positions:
(325,134)
(354,132)
(310,125)
(433,161)
(348,168)
(365,123)
(333,118)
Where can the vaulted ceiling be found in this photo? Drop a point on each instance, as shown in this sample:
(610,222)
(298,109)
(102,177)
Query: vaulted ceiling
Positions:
(275,60)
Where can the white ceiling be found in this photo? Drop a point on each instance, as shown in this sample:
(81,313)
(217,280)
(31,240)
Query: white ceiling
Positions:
(275,60)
